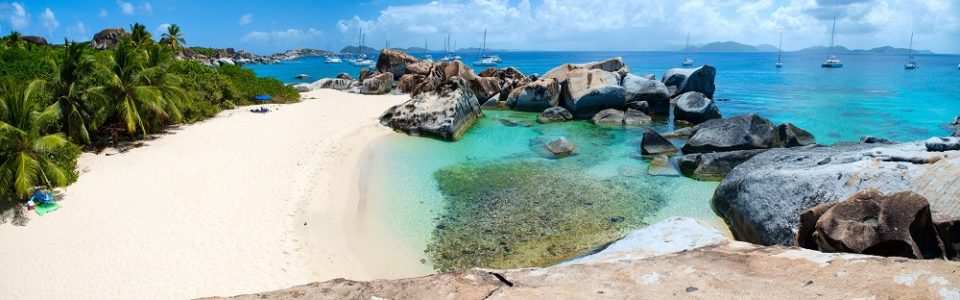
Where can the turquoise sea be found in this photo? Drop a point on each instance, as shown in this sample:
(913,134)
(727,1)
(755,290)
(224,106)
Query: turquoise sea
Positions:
(871,95)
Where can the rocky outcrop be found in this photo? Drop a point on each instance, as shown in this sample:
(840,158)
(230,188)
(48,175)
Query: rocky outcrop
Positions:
(377,85)
(634,117)
(655,144)
(956,133)
(675,258)
(485,87)
(695,108)
(445,114)
(35,40)
(869,222)
(408,83)
(535,96)
(940,144)
(714,166)
(108,38)
(555,114)
(588,91)
(394,62)
(792,136)
(654,93)
(561,73)
(608,117)
(744,132)
(691,80)
(366,74)
(344,76)
(326,83)
(762,199)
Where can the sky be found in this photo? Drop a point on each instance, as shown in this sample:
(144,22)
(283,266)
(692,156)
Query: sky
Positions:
(274,26)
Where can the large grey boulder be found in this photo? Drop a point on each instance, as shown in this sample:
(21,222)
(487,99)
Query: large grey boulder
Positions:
(560,147)
(641,89)
(793,136)
(634,117)
(555,114)
(588,91)
(655,144)
(696,108)
(956,133)
(562,72)
(744,132)
(377,85)
(535,96)
(714,166)
(608,117)
(108,38)
(762,198)
(394,62)
(445,114)
(691,80)
(485,87)
(940,144)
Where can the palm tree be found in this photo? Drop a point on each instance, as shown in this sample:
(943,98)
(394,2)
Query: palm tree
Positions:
(15,40)
(173,37)
(69,92)
(168,83)
(140,36)
(131,95)
(24,142)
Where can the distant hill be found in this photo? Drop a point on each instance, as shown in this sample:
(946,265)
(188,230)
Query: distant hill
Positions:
(731,46)
(877,50)
(767,48)
(365,50)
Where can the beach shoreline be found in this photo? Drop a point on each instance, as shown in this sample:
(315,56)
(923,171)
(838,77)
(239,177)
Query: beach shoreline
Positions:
(212,208)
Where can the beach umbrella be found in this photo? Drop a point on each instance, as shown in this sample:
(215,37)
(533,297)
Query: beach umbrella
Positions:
(262,98)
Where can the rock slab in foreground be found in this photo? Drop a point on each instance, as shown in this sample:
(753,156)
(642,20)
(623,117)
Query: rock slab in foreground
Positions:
(762,199)
(446,114)
(675,258)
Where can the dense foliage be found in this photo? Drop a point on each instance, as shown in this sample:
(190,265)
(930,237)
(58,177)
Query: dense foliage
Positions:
(56,99)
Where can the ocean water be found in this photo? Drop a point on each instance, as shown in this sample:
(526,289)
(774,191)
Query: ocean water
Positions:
(871,95)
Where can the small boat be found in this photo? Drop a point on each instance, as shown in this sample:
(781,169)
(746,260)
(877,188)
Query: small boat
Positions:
(426,53)
(779,63)
(303,76)
(833,61)
(486,60)
(687,61)
(361,59)
(910,65)
(450,55)
(332,59)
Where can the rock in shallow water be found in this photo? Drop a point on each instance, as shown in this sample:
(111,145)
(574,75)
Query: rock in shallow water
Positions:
(691,80)
(696,108)
(587,92)
(762,199)
(535,96)
(555,114)
(608,117)
(660,165)
(654,93)
(744,132)
(560,147)
(714,166)
(653,144)
(635,117)
(446,114)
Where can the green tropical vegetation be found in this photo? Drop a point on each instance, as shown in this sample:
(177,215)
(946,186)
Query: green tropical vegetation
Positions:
(59,99)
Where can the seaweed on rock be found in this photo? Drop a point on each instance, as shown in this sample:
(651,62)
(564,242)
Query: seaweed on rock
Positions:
(524,213)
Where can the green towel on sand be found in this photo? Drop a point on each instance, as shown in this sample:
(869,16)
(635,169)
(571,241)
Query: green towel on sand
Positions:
(43,209)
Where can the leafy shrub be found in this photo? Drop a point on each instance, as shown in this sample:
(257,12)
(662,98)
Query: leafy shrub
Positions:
(209,90)
(249,85)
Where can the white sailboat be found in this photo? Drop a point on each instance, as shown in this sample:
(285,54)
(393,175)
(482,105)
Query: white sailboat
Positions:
(361,59)
(833,61)
(687,61)
(910,65)
(486,60)
(780,52)
(426,53)
(332,58)
(450,54)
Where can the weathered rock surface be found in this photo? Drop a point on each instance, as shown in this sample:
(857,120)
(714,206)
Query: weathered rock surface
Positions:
(561,73)
(560,147)
(744,132)
(108,38)
(714,166)
(555,114)
(696,108)
(762,199)
(35,40)
(939,144)
(874,140)
(608,117)
(446,114)
(641,106)
(394,62)
(869,222)
(635,117)
(485,87)
(535,96)
(377,85)
(675,258)
(639,89)
(588,91)
(326,83)
(655,144)
(956,133)
(792,136)
(692,80)
(344,76)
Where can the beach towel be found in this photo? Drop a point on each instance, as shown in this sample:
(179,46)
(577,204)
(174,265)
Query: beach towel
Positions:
(43,209)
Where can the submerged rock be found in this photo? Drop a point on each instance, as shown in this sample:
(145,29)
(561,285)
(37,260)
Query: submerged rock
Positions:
(394,62)
(555,114)
(608,117)
(714,166)
(762,199)
(869,222)
(655,144)
(660,166)
(560,147)
(535,96)
(654,93)
(696,108)
(446,114)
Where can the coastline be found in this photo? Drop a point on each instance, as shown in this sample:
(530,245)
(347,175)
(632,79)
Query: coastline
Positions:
(210,214)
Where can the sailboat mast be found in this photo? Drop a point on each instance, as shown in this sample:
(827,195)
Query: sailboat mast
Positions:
(686,49)
(483,47)
(910,52)
(780,48)
(359,43)
(833,31)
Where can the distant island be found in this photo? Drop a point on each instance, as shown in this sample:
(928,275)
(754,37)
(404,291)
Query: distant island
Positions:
(731,46)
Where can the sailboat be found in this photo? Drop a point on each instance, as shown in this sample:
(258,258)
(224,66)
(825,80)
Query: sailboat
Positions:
(486,60)
(361,59)
(450,55)
(910,65)
(833,61)
(687,61)
(332,58)
(426,53)
(780,52)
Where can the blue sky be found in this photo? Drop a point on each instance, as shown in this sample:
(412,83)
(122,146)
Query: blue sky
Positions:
(272,26)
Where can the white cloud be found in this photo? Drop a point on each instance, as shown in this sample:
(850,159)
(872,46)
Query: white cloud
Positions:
(245,19)
(104,13)
(661,24)
(283,39)
(162,28)
(15,14)
(49,20)
(146,7)
(77,32)
(125,7)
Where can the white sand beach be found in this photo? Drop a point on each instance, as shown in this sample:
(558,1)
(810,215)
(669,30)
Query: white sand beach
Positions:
(241,203)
